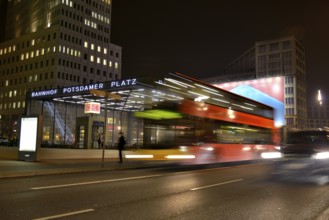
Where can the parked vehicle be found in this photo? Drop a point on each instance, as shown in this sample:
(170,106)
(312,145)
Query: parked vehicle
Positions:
(4,141)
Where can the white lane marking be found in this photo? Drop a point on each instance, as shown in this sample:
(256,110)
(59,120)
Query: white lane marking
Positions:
(93,182)
(218,168)
(217,184)
(65,214)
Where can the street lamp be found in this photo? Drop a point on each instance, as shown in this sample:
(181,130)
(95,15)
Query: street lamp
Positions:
(106,95)
(319,97)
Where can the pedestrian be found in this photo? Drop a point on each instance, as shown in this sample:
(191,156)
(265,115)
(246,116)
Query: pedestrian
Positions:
(121,145)
(100,140)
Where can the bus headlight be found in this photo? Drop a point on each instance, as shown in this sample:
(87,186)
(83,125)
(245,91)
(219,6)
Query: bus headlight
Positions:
(271,155)
(321,155)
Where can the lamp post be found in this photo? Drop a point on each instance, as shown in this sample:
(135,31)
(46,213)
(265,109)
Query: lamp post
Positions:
(319,97)
(106,95)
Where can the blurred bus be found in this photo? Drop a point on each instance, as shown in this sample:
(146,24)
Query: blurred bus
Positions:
(195,131)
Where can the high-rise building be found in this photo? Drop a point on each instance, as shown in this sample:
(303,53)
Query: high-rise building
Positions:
(279,57)
(50,44)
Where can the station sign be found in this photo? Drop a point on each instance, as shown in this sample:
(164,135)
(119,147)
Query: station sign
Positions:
(92,107)
(77,89)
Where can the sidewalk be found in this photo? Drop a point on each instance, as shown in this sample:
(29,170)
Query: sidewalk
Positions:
(15,168)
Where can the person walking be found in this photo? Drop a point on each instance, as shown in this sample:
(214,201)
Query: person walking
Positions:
(121,145)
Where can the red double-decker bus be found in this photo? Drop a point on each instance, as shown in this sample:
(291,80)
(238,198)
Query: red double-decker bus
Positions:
(199,131)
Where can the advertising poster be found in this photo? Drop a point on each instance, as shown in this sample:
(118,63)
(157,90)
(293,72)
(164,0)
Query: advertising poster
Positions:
(28,134)
(269,91)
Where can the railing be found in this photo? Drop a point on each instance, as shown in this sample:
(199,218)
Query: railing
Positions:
(63,129)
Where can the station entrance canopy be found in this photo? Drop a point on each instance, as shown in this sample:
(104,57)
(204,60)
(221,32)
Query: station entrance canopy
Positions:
(134,95)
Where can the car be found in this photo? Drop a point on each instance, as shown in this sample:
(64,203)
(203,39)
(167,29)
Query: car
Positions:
(305,157)
(4,141)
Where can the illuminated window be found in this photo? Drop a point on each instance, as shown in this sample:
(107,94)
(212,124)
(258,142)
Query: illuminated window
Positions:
(9,49)
(99,49)
(42,51)
(14,48)
(92,58)
(37,53)
(14,104)
(92,46)
(22,56)
(88,23)
(27,55)
(18,104)
(23,104)
(32,54)
(110,63)
(36,77)
(32,42)
(116,65)
(15,93)
(98,60)
(54,49)
(7,82)
(104,62)
(105,50)
(1,51)
(10,93)
(86,44)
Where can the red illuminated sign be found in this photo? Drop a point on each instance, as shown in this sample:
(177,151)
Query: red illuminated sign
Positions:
(92,107)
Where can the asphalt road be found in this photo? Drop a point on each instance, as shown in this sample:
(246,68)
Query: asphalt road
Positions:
(239,192)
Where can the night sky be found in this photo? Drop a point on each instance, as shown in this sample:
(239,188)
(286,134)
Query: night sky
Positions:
(199,38)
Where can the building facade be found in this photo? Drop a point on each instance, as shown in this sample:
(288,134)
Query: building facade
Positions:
(279,57)
(51,44)
(318,116)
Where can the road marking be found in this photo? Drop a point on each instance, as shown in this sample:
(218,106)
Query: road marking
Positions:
(93,182)
(218,184)
(65,214)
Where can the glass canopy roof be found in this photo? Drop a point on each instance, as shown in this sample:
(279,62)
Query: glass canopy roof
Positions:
(135,95)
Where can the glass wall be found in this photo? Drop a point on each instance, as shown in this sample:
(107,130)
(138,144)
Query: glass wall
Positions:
(60,128)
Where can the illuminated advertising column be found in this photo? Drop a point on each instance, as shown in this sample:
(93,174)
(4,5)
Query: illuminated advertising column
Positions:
(30,138)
